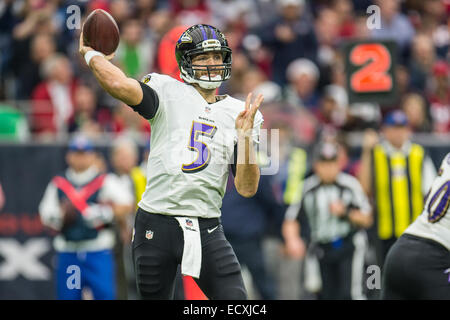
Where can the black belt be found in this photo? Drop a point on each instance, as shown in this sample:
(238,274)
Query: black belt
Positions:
(203,222)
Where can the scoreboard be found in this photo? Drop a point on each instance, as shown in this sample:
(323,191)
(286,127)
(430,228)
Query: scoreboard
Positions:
(370,71)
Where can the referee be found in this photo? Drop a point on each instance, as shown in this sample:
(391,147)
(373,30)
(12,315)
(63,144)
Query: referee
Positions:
(335,207)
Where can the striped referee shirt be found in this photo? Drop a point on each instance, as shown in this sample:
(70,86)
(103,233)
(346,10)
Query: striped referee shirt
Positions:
(315,203)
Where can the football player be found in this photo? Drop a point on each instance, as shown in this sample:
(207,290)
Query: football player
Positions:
(196,134)
(418,264)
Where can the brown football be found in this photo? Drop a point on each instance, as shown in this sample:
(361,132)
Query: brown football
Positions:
(100,32)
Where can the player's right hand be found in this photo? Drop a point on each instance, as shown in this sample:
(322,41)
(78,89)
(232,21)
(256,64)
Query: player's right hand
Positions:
(83,49)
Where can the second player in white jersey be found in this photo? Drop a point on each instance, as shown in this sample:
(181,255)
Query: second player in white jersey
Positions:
(192,145)
(434,222)
(417,265)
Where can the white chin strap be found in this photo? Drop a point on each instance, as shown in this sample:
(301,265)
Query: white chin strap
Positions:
(203,81)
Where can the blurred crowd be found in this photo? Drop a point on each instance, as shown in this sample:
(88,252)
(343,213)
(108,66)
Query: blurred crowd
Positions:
(289,50)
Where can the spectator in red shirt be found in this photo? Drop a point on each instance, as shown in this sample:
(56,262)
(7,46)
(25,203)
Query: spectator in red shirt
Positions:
(52,99)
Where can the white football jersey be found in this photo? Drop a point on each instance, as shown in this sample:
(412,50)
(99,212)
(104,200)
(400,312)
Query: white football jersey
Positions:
(191,148)
(434,222)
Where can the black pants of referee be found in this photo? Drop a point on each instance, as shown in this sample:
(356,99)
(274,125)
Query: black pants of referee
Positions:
(335,261)
(416,268)
(156,260)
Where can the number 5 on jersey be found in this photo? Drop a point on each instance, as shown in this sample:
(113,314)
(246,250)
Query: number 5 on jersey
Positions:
(195,145)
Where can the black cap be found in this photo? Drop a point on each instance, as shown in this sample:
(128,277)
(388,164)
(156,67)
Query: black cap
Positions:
(326,151)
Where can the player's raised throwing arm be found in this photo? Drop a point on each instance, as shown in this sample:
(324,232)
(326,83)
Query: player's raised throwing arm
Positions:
(247,170)
(111,78)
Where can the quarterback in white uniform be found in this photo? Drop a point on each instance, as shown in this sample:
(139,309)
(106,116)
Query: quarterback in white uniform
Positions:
(196,135)
(418,264)
(192,143)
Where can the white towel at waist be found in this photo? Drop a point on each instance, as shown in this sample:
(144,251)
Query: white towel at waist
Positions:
(192,253)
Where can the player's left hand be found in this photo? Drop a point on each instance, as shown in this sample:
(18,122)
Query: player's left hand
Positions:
(245,119)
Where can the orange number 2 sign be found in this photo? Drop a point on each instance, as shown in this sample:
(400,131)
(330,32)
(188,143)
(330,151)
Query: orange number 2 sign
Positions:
(373,77)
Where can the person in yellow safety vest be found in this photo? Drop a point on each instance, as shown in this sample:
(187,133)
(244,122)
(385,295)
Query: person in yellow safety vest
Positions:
(396,173)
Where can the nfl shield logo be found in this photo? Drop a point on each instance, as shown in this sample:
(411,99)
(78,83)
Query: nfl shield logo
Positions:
(207,109)
(189,223)
(149,234)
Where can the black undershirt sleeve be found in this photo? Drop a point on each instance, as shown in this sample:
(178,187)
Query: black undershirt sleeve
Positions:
(149,104)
